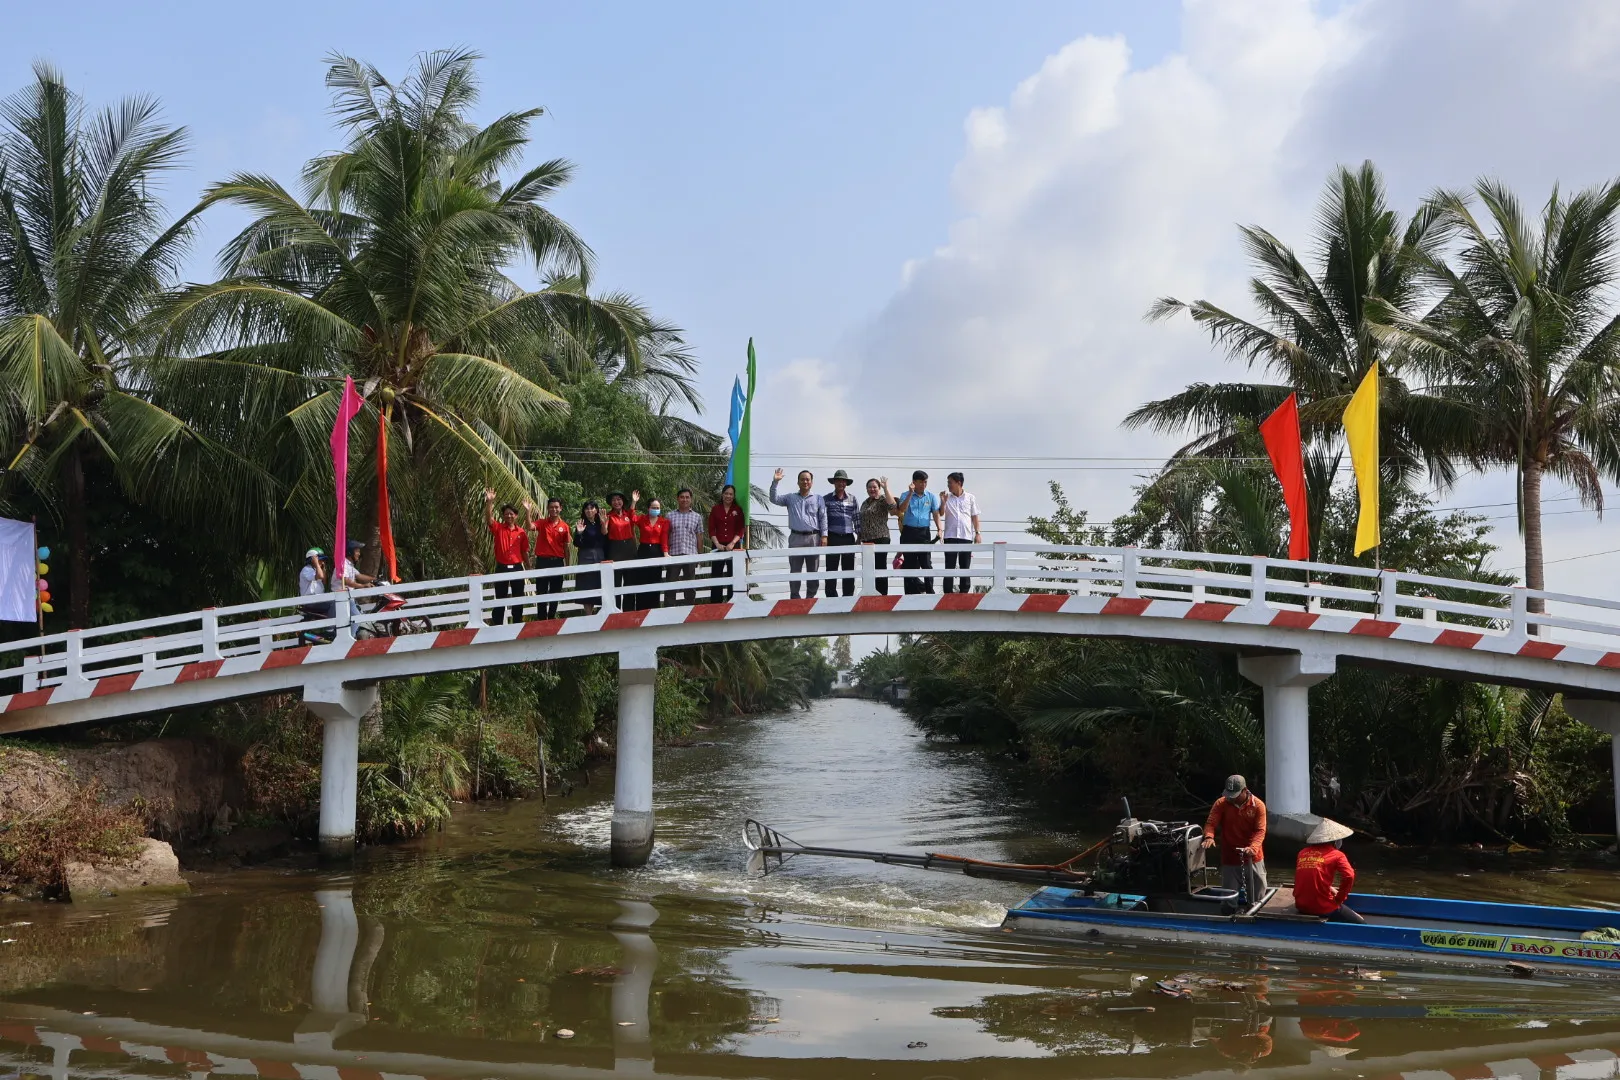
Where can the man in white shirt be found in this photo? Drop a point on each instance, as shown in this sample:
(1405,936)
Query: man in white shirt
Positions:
(960,525)
(351,577)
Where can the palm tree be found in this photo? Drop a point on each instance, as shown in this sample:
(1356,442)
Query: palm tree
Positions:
(1526,342)
(1313,335)
(393,270)
(660,368)
(84,255)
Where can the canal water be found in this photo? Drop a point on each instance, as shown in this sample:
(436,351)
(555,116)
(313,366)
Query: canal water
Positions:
(465,955)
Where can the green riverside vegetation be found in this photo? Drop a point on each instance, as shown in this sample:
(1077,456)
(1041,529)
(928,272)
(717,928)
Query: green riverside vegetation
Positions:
(1497,333)
(171,437)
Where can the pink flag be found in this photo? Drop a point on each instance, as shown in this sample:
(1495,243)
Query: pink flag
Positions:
(347,408)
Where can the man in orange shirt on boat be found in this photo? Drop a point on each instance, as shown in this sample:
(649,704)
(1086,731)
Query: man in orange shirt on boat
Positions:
(1240,818)
(1320,861)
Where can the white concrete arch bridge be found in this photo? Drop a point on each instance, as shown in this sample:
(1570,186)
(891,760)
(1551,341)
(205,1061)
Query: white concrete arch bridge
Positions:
(1291,624)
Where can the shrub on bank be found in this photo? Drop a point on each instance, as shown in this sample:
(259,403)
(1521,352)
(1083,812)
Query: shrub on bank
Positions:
(48,819)
(432,741)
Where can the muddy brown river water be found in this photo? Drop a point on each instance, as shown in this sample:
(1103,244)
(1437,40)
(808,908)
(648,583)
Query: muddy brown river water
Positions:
(464,955)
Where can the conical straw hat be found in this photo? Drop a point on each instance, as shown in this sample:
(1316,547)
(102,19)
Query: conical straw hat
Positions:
(1327,830)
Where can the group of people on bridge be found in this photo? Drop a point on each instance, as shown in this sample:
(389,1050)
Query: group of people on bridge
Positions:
(1323,875)
(631,537)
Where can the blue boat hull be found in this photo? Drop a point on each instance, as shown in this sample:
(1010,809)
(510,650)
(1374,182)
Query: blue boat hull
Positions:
(1411,927)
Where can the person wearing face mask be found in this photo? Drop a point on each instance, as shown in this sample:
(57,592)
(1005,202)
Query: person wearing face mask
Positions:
(590,546)
(652,531)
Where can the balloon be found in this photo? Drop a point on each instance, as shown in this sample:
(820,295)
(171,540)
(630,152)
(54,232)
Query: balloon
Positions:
(44,597)
(44,553)
(43,569)
(42,584)
(46,608)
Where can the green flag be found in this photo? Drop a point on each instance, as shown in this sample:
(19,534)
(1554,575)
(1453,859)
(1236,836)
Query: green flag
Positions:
(740,473)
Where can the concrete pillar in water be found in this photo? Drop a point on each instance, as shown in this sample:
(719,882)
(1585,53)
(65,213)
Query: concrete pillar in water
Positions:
(340,709)
(1605,716)
(632,785)
(1286,682)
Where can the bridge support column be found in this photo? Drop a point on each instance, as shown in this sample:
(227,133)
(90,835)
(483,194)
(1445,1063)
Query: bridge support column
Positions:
(1286,682)
(632,784)
(1605,716)
(340,709)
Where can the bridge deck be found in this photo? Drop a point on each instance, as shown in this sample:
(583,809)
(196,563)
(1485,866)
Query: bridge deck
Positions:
(1445,627)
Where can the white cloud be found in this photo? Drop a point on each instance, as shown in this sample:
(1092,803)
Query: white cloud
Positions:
(1099,186)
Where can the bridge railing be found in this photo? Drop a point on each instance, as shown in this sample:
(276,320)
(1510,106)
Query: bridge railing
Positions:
(217,635)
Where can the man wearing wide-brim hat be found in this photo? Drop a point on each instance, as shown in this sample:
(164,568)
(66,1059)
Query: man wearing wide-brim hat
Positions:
(1320,862)
(1239,818)
(843,522)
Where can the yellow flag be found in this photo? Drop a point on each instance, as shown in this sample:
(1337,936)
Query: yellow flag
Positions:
(1361,427)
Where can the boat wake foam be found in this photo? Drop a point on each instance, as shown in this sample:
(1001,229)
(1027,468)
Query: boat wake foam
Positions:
(859,903)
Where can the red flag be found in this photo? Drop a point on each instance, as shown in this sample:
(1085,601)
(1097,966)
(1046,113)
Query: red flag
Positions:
(385,525)
(348,406)
(1280,430)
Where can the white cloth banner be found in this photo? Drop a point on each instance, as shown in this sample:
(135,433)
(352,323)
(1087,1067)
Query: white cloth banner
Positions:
(19,596)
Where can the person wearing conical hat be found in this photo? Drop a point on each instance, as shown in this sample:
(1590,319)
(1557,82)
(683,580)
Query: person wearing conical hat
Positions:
(1322,861)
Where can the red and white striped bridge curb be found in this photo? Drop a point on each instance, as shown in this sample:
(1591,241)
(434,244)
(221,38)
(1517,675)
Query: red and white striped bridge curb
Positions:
(1324,622)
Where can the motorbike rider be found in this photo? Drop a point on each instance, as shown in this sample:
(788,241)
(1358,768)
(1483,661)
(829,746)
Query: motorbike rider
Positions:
(312,582)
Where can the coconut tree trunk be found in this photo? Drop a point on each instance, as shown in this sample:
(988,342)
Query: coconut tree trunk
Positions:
(77,517)
(1534,570)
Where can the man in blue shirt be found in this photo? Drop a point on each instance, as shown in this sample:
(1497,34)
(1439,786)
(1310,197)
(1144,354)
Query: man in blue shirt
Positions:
(919,515)
(807,527)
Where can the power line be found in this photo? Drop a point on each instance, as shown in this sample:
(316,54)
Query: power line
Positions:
(1569,558)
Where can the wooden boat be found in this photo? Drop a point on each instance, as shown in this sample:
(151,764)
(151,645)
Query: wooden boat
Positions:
(1146,882)
(1405,927)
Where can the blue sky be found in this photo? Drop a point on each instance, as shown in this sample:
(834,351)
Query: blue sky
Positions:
(746,169)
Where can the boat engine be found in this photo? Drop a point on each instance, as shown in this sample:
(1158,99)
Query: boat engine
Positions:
(1150,857)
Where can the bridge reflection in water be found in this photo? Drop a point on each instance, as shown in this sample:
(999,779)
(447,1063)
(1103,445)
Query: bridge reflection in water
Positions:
(1275,1033)
(86,1044)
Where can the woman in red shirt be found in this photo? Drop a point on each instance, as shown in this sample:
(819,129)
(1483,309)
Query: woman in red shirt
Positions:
(729,531)
(1320,861)
(653,530)
(620,527)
